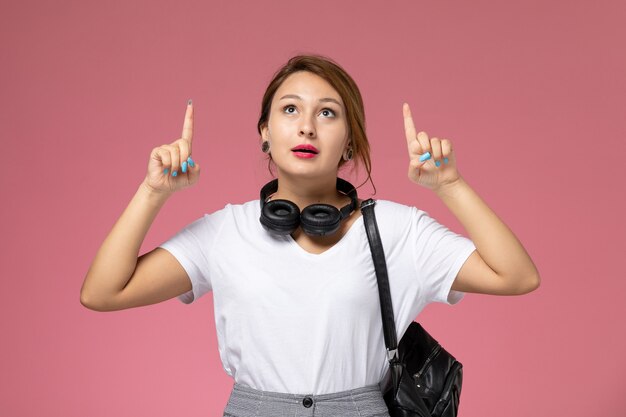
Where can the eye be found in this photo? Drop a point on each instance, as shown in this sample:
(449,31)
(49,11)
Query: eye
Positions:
(289,107)
(328,112)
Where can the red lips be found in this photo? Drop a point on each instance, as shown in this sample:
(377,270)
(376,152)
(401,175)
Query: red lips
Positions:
(306,149)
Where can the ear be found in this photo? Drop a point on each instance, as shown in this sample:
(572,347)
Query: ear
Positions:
(265,133)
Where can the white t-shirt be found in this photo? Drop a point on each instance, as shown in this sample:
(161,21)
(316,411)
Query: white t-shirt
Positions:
(291,321)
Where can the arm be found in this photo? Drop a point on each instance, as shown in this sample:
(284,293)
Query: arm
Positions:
(117,278)
(500,265)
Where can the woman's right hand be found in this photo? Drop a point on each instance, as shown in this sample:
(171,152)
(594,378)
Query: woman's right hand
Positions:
(171,167)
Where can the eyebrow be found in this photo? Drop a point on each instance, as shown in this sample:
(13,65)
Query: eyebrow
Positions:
(321,100)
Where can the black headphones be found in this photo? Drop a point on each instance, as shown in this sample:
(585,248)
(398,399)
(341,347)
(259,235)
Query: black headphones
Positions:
(282,217)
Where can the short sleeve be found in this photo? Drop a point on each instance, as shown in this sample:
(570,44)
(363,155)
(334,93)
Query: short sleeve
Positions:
(192,247)
(439,254)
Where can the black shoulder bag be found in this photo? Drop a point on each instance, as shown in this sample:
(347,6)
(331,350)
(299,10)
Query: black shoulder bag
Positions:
(425,379)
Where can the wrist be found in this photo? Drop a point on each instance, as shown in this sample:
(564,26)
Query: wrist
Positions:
(450,188)
(153,195)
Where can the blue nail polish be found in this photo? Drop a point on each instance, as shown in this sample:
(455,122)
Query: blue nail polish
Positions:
(175,173)
(438,163)
(191,163)
(445,160)
(166,170)
(189,102)
(184,166)
(425,157)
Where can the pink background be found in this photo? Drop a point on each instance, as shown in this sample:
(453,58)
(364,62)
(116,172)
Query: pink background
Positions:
(530,93)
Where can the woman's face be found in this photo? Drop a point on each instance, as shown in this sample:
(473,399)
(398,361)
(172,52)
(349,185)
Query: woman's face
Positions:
(307,127)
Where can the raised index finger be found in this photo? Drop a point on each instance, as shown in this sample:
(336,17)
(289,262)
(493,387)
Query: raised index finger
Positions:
(188,124)
(409,127)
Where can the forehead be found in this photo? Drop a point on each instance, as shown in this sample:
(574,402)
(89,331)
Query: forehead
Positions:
(308,86)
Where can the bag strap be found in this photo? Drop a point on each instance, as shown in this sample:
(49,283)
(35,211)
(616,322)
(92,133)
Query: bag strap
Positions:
(380,265)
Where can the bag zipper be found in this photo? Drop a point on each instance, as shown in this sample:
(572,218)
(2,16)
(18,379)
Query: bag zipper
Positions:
(428,360)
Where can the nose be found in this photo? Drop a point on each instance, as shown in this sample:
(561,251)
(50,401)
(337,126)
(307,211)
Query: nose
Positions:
(307,128)
(307,133)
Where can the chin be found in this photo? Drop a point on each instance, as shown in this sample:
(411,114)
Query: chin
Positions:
(306,172)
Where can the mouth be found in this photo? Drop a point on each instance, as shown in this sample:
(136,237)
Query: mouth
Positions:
(305,149)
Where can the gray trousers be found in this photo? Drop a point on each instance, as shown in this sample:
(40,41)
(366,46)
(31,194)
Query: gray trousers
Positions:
(360,402)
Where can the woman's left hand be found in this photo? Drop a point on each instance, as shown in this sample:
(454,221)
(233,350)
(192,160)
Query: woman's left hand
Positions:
(437,167)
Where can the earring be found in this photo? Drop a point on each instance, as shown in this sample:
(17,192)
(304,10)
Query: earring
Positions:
(347,155)
(265,146)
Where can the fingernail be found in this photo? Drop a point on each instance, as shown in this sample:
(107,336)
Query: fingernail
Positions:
(166,170)
(438,163)
(425,157)
(445,160)
(189,102)
(175,173)
(184,166)
(191,163)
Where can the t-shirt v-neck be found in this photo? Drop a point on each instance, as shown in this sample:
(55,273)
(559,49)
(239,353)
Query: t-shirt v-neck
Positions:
(358,223)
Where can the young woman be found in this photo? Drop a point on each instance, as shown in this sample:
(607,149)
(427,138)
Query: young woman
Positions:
(295,292)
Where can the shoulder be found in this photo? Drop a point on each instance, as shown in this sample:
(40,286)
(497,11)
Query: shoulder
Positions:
(401,218)
(393,219)
(243,215)
(236,213)
(390,211)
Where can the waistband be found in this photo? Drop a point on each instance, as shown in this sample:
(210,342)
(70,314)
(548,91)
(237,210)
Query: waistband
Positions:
(286,397)
(365,401)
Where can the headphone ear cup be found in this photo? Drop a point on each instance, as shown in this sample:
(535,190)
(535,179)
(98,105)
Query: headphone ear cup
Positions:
(281,217)
(320,219)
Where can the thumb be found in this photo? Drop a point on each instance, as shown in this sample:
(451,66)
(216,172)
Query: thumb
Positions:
(193,171)
(418,163)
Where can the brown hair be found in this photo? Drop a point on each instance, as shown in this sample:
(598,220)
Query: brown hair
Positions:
(339,79)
